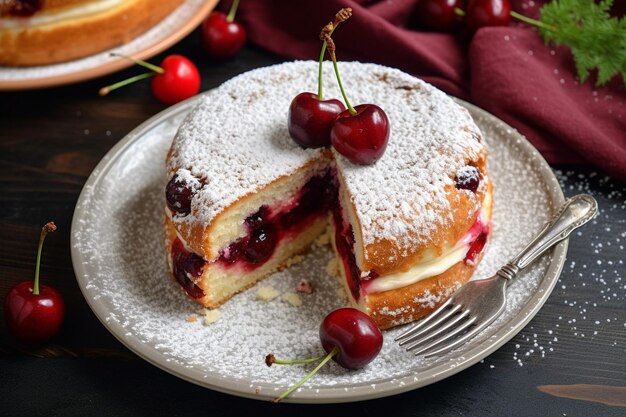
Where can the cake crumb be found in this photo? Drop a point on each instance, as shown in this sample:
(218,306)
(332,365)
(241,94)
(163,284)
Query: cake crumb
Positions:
(191,318)
(294,260)
(304,286)
(267,293)
(332,267)
(292,298)
(211,316)
(323,239)
(341,293)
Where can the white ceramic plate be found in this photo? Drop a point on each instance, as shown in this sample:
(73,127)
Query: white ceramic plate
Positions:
(118,257)
(165,34)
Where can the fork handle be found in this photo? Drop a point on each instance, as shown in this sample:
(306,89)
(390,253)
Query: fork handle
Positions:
(575,212)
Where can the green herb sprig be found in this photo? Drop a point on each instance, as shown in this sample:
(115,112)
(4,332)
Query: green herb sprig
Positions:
(596,39)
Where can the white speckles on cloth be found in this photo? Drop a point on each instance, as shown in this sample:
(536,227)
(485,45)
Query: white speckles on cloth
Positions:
(121,267)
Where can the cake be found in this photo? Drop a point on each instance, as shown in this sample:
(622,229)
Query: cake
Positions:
(40,32)
(243,198)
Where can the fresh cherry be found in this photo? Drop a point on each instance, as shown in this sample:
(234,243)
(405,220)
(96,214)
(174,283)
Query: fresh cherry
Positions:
(310,119)
(175,80)
(222,36)
(179,80)
(361,136)
(349,336)
(310,116)
(359,133)
(439,14)
(34,312)
(354,334)
(481,13)
(468,178)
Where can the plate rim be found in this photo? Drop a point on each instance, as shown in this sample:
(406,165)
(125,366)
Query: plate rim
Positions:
(117,64)
(326,395)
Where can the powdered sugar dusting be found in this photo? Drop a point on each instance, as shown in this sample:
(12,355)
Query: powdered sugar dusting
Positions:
(120,265)
(402,197)
(237,141)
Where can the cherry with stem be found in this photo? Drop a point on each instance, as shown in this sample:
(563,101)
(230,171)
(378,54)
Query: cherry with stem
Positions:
(222,35)
(34,312)
(359,133)
(483,13)
(175,80)
(349,337)
(310,116)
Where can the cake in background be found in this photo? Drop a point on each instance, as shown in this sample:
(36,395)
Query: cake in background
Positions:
(41,32)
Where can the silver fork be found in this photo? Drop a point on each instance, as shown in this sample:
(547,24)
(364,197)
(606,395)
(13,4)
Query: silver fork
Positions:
(478,303)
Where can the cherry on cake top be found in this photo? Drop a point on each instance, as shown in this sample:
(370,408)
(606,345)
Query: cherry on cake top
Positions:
(311,117)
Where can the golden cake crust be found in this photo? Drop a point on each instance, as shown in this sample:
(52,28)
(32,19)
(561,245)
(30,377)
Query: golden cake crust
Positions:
(75,38)
(412,302)
(384,257)
(395,307)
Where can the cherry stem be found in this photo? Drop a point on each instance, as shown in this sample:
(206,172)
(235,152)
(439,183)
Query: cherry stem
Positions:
(106,90)
(48,227)
(306,378)
(141,62)
(233,11)
(297,361)
(532,22)
(341,16)
(518,16)
(319,72)
(343,93)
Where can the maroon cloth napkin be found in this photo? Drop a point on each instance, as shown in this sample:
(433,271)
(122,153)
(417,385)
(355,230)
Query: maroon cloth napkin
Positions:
(507,71)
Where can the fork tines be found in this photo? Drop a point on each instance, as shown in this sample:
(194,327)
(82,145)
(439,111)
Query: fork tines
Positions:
(443,325)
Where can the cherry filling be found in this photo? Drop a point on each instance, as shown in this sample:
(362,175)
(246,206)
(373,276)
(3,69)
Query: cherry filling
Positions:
(468,178)
(25,8)
(344,241)
(187,266)
(476,247)
(268,226)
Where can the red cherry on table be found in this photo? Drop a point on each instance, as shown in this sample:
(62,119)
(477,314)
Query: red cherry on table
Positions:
(175,80)
(439,14)
(33,312)
(361,137)
(482,13)
(179,81)
(354,333)
(222,38)
(33,318)
(310,119)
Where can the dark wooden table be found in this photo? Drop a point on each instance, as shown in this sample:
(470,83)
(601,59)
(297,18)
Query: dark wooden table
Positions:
(569,361)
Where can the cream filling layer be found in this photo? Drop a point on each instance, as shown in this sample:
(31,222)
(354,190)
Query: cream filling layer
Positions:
(418,272)
(92,7)
(436,266)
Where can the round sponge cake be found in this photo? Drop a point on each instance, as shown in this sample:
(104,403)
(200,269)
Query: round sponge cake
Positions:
(406,230)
